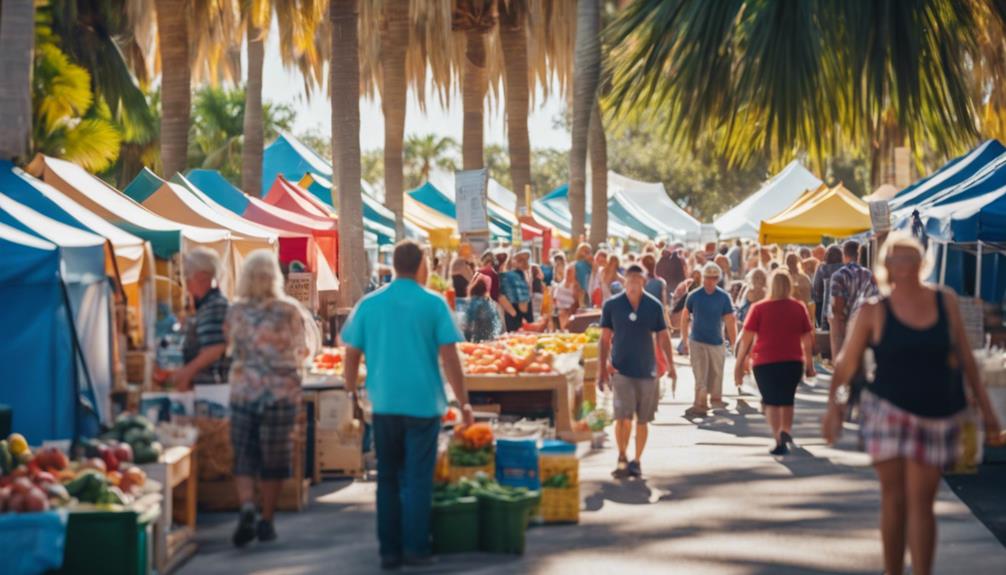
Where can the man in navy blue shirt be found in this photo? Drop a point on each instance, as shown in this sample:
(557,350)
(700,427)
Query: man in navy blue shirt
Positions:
(629,323)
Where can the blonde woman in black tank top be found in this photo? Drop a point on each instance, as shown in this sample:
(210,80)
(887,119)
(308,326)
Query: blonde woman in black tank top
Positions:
(911,413)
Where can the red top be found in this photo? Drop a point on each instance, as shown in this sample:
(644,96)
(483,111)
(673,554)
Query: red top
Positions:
(779,325)
(494,278)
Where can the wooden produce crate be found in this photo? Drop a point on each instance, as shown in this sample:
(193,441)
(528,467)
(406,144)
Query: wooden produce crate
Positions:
(140,368)
(338,454)
(560,505)
(176,472)
(561,386)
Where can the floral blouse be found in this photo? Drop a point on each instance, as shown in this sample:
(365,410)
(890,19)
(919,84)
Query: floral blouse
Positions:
(268,349)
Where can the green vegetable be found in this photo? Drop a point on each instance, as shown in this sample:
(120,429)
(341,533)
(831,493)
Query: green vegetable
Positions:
(88,487)
(558,481)
(461,456)
(6,459)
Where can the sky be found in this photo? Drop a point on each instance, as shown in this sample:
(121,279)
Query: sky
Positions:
(282,86)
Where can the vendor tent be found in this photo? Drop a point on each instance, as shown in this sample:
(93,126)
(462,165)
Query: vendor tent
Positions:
(651,206)
(442,230)
(501,224)
(953,173)
(84,273)
(774,196)
(166,237)
(289,157)
(292,197)
(316,249)
(553,209)
(41,379)
(883,193)
(834,213)
(134,258)
(224,194)
(377,219)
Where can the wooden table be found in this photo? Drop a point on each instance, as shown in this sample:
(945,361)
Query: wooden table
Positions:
(562,386)
(176,471)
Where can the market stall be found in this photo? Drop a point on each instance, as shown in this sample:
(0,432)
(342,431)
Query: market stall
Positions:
(774,196)
(834,213)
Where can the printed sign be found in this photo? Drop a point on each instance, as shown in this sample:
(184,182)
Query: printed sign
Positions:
(301,287)
(880,216)
(470,200)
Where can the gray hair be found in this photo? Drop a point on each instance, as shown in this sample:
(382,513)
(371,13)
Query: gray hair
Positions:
(261,280)
(201,260)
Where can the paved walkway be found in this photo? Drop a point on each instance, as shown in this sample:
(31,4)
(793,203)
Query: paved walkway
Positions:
(712,502)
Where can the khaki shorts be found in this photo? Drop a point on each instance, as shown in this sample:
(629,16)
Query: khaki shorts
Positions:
(635,397)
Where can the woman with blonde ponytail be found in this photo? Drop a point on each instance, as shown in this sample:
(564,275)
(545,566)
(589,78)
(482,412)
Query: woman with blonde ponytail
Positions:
(270,336)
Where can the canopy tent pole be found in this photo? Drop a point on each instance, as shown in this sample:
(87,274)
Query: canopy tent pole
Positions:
(943,263)
(978,273)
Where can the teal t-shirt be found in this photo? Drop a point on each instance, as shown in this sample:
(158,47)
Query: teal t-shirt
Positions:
(400,328)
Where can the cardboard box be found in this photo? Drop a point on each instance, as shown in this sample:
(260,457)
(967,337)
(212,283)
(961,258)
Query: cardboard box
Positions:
(338,451)
(140,368)
(335,408)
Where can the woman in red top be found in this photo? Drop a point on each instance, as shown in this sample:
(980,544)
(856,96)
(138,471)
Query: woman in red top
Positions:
(780,329)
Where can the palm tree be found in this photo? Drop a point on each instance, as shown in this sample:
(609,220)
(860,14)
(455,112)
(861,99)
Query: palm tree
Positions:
(779,77)
(345,74)
(585,82)
(68,122)
(176,81)
(394,44)
(17,38)
(298,22)
(217,139)
(513,43)
(598,178)
(424,152)
(475,18)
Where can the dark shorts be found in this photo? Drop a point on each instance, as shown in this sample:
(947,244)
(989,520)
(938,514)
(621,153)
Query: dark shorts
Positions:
(262,437)
(777,382)
(515,322)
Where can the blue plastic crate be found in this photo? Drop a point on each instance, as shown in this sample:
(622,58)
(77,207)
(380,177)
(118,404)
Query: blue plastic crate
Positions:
(517,463)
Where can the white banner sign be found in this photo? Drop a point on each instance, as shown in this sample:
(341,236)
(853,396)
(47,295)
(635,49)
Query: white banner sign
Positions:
(880,216)
(470,200)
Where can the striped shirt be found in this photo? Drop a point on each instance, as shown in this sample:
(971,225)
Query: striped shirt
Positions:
(855,284)
(205,329)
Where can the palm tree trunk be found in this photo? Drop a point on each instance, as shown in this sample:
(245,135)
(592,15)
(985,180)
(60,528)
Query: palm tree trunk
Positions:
(474,91)
(598,178)
(513,41)
(254,137)
(394,42)
(176,96)
(17,44)
(345,70)
(586,76)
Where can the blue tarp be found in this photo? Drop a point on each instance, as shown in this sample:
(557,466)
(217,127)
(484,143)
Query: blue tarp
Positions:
(213,184)
(291,158)
(951,174)
(37,353)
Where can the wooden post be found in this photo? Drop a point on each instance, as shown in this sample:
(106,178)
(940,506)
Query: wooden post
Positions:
(943,263)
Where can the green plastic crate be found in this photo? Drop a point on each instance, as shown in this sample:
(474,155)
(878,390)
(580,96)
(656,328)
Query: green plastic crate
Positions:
(502,522)
(108,542)
(456,526)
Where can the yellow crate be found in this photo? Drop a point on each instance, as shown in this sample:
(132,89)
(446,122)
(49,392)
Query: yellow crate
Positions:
(552,465)
(560,505)
(454,473)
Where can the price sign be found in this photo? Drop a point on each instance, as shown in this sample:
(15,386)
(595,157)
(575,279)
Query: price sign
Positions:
(301,287)
(470,200)
(880,216)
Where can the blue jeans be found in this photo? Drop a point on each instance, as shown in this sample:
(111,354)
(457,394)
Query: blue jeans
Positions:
(406,456)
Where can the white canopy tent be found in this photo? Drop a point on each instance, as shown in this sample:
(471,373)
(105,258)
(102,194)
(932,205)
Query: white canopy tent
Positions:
(775,195)
(656,208)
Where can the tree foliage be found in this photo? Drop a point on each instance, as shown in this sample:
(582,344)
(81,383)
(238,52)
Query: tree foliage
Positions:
(216,134)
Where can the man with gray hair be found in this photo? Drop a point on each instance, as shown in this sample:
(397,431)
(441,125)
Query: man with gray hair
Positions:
(204,348)
(707,311)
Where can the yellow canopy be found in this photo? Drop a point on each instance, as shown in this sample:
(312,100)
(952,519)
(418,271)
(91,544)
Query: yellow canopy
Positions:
(834,212)
(442,229)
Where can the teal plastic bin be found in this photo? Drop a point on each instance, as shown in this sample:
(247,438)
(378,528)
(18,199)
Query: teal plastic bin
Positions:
(502,522)
(31,543)
(456,526)
(108,542)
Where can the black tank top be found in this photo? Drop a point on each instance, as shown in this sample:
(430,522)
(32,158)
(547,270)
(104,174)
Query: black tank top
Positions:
(914,366)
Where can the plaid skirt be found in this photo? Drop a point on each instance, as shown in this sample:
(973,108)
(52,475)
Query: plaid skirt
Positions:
(889,432)
(262,435)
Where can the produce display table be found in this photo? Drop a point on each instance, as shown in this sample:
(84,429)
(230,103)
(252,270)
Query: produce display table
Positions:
(561,385)
(177,474)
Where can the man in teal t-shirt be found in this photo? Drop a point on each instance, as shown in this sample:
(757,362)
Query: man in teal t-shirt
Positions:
(707,311)
(403,329)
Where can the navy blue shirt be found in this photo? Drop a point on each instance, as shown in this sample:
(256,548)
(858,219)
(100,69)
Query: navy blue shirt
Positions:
(632,343)
(707,311)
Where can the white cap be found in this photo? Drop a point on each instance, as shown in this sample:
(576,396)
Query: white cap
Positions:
(711,270)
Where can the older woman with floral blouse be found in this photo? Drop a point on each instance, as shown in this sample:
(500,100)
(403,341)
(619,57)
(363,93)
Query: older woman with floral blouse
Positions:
(270,336)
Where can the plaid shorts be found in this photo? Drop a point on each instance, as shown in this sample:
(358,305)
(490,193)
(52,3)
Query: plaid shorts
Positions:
(262,437)
(890,432)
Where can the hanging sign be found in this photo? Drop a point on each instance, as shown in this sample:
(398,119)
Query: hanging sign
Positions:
(470,200)
(880,216)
